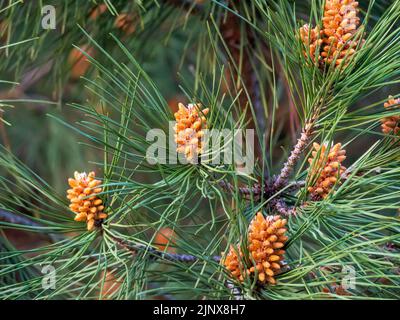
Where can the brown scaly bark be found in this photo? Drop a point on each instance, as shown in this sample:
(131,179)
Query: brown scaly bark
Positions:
(294,156)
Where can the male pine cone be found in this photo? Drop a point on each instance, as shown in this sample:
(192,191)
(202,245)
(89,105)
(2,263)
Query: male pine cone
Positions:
(233,264)
(335,40)
(325,170)
(312,40)
(391,125)
(266,238)
(84,199)
(190,123)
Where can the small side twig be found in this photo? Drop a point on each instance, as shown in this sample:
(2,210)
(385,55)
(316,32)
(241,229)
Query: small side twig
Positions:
(296,185)
(135,248)
(13,218)
(283,209)
(277,203)
(256,189)
(236,292)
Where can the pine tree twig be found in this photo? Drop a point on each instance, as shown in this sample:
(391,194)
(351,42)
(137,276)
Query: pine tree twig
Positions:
(11,217)
(359,173)
(134,248)
(283,209)
(277,203)
(256,189)
(296,185)
(235,291)
(29,79)
(298,149)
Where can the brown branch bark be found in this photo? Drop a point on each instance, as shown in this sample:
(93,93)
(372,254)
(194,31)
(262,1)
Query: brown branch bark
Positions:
(255,190)
(14,218)
(298,149)
(135,248)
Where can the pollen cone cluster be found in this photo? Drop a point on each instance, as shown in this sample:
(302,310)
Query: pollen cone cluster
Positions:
(266,239)
(340,24)
(78,62)
(98,11)
(126,22)
(84,200)
(336,39)
(391,125)
(190,123)
(312,40)
(326,169)
(233,264)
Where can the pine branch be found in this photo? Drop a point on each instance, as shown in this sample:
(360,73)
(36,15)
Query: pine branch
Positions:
(134,248)
(185,258)
(11,217)
(277,204)
(283,209)
(246,191)
(296,185)
(298,149)
(236,292)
